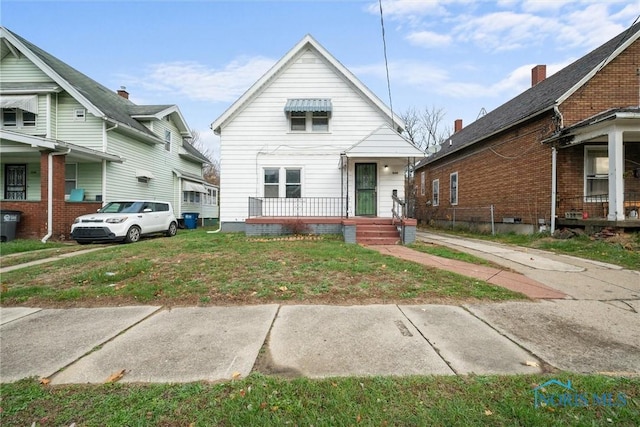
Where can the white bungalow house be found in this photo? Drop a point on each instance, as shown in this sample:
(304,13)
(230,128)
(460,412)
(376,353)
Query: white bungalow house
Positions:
(308,142)
(68,144)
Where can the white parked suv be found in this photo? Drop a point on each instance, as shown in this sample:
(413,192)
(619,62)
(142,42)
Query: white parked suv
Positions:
(125,220)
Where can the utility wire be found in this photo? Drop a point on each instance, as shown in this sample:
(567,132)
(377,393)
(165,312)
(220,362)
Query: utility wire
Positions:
(386,65)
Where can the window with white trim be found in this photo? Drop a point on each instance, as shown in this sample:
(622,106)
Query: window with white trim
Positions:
(303,121)
(17,118)
(293,184)
(283,182)
(167,140)
(596,172)
(191,196)
(211,198)
(271,182)
(70,177)
(453,188)
(435,192)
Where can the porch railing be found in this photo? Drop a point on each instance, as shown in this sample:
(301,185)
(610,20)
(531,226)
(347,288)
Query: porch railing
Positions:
(297,207)
(596,206)
(399,213)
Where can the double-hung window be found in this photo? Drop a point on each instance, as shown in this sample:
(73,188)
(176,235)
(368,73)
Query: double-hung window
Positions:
(596,170)
(453,188)
(308,114)
(167,140)
(271,182)
(70,177)
(283,182)
(435,192)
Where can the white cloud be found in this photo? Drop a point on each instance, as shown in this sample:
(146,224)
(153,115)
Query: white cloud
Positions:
(590,27)
(406,73)
(428,39)
(403,9)
(503,31)
(198,82)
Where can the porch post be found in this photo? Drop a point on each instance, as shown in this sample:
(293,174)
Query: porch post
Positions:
(616,169)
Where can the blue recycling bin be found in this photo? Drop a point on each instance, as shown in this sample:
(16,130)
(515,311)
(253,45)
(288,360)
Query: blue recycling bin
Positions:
(190,220)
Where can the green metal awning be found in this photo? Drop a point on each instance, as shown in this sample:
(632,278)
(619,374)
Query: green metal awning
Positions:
(308,104)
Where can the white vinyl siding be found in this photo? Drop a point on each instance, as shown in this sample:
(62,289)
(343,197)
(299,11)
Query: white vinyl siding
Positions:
(317,153)
(87,133)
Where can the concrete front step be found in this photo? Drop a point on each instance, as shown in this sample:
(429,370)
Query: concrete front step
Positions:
(380,235)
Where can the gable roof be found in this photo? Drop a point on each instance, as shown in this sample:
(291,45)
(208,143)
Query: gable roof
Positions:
(540,98)
(307,42)
(96,98)
(376,144)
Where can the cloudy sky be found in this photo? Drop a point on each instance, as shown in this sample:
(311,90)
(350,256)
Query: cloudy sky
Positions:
(461,56)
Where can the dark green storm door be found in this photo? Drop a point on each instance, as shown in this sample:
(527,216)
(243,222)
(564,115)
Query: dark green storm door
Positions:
(366,189)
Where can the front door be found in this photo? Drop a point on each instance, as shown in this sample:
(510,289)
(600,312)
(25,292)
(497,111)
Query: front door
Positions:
(366,189)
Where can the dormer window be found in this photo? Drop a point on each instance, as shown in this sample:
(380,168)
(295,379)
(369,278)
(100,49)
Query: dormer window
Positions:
(308,114)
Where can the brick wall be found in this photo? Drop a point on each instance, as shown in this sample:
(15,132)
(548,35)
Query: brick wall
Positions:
(615,86)
(511,171)
(34,217)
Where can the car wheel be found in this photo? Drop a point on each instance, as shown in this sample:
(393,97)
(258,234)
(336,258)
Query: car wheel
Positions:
(173,229)
(133,235)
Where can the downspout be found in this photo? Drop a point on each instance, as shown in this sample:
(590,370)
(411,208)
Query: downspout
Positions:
(50,193)
(554,155)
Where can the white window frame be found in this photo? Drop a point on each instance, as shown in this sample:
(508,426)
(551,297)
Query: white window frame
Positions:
(435,192)
(167,140)
(211,197)
(20,121)
(454,190)
(266,184)
(593,176)
(191,197)
(288,183)
(70,167)
(282,182)
(315,122)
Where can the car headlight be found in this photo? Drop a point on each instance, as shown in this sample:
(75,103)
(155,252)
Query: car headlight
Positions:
(76,221)
(116,220)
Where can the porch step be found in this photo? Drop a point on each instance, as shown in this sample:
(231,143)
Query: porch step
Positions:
(377,234)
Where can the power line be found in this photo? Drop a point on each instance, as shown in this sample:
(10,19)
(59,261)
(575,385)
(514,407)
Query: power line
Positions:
(386,65)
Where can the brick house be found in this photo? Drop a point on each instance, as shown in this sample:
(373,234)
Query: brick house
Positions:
(566,152)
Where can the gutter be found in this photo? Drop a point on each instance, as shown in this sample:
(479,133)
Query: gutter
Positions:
(50,193)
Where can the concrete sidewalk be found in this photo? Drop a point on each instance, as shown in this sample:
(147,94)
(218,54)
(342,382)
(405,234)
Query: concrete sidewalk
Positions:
(593,327)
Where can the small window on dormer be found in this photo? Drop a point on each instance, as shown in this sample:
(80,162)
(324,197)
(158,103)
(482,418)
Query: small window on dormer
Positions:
(79,114)
(167,140)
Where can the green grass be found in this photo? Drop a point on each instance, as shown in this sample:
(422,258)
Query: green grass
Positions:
(622,250)
(271,401)
(26,245)
(196,268)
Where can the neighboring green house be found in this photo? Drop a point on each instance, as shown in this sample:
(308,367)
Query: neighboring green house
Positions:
(68,144)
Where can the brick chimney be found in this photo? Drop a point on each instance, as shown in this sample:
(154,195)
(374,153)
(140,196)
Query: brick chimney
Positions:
(123,92)
(457,126)
(538,74)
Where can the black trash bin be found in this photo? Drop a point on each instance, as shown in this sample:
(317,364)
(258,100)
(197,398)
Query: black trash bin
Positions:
(8,223)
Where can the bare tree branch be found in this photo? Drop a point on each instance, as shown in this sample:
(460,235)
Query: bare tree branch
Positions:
(211,170)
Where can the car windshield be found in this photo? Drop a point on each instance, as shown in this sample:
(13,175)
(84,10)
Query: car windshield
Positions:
(122,207)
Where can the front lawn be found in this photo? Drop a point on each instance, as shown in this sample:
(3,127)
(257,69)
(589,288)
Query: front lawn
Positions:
(197,268)
(372,401)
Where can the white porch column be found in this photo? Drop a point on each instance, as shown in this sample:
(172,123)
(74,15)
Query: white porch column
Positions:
(616,168)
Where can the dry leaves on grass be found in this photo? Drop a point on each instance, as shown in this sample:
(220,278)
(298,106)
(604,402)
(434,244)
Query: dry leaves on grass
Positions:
(116,376)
